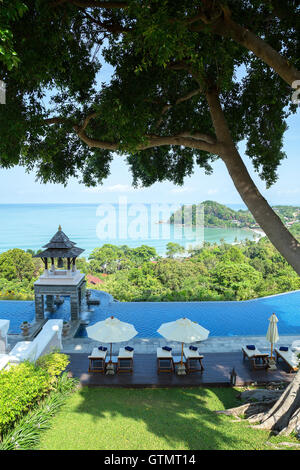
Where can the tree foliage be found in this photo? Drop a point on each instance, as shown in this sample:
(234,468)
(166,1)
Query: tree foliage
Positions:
(9,12)
(164,58)
(191,80)
(213,272)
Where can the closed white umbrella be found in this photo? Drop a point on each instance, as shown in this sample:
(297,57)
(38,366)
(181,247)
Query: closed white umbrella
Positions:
(272,333)
(111,330)
(184,331)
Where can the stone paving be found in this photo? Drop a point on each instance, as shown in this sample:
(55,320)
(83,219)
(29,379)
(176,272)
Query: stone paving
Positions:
(213,344)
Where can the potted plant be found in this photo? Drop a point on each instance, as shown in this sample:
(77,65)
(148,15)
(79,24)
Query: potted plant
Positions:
(65,328)
(25,328)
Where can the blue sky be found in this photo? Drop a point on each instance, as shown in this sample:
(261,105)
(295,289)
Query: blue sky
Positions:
(17,186)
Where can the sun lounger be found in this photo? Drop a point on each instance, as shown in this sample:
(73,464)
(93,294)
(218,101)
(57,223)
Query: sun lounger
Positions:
(289,357)
(296,346)
(193,359)
(97,361)
(125,361)
(164,361)
(257,359)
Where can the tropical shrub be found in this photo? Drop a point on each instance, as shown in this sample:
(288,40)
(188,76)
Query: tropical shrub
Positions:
(23,385)
(25,433)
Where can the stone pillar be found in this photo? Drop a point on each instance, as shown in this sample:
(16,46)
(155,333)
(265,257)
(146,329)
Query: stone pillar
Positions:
(50,303)
(74,303)
(83,291)
(39,307)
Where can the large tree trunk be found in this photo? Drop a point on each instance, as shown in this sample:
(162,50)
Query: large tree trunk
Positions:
(261,49)
(282,417)
(227,27)
(264,215)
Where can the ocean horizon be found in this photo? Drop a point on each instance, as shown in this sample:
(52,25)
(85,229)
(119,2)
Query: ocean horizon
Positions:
(31,226)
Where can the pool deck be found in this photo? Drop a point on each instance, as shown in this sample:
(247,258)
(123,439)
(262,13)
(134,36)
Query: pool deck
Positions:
(221,355)
(217,370)
(214,344)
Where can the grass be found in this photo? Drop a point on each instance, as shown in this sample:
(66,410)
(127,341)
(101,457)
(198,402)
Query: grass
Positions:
(152,419)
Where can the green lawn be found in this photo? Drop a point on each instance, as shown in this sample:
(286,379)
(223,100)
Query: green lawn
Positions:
(157,419)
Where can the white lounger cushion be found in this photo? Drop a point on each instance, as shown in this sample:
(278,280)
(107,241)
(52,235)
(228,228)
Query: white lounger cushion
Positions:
(296,346)
(124,353)
(98,354)
(290,357)
(163,353)
(188,353)
(251,352)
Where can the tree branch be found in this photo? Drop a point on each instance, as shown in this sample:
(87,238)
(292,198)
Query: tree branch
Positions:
(54,120)
(166,107)
(199,136)
(92,4)
(108,27)
(225,26)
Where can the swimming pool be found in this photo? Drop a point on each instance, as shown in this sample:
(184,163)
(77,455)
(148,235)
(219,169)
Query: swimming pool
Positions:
(243,318)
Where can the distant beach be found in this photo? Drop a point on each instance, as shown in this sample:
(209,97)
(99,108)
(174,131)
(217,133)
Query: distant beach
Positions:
(29,226)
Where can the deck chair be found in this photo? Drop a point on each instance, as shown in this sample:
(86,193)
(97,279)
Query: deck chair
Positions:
(289,357)
(257,359)
(97,361)
(193,360)
(125,361)
(165,361)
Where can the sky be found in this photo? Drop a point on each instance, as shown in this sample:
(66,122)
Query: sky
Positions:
(19,187)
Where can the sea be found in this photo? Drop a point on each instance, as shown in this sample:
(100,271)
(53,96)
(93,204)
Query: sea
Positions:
(31,226)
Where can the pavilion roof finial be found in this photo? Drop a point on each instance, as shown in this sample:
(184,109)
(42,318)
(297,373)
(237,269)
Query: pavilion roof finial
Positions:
(60,246)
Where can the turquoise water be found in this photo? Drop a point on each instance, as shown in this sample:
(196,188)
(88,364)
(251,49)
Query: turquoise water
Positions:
(30,226)
(244,318)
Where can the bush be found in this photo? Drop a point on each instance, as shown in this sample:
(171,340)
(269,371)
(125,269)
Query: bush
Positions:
(26,433)
(23,385)
(53,363)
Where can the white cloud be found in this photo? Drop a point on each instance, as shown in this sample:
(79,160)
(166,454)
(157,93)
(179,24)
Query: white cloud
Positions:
(212,191)
(184,189)
(116,188)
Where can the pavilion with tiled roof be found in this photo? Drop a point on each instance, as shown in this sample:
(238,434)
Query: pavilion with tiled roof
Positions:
(56,282)
(60,247)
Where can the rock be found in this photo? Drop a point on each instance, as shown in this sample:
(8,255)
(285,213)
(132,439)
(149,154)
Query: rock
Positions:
(260,394)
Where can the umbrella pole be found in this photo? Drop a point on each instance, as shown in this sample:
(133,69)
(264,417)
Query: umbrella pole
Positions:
(110,367)
(181,368)
(271,350)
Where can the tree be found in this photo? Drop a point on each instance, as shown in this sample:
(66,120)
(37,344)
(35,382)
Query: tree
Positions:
(173,101)
(142,254)
(105,259)
(9,12)
(280,415)
(228,274)
(174,249)
(16,264)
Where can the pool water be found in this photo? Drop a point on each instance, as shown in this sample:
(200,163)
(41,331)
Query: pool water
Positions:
(243,318)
